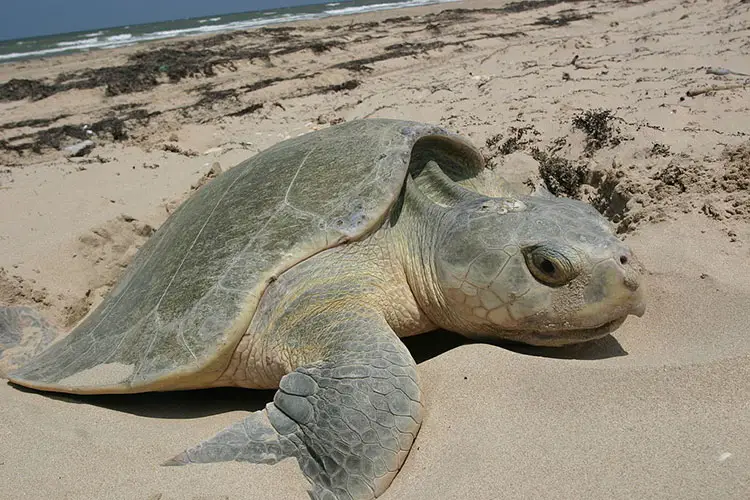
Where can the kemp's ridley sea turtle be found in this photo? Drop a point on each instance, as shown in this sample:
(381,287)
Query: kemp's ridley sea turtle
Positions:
(301,268)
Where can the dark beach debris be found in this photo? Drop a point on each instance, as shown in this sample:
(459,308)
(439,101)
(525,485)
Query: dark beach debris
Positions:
(8,146)
(261,84)
(457,15)
(597,125)
(267,82)
(516,140)
(325,46)
(34,122)
(561,176)
(527,5)
(659,150)
(362,26)
(563,19)
(116,80)
(408,49)
(111,128)
(462,14)
(211,97)
(213,41)
(18,89)
(358,66)
(277,30)
(347,85)
(404,49)
(174,148)
(144,71)
(396,20)
(247,110)
(336,87)
(391,52)
(204,58)
(149,68)
(577,64)
(326,89)
(494,140)
(54,138)
(504,35)
(168,64)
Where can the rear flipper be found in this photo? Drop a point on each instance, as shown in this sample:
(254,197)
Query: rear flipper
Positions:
(253,439)
(350,422)
(24,334)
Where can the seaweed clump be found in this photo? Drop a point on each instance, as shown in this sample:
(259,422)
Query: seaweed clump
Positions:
(18,89)
(111,128)
(33,122)
(597,125)
(560,175)
(659,150)
(564,19)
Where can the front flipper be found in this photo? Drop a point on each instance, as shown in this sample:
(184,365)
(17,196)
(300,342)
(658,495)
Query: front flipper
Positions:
(349,419)
(24,333)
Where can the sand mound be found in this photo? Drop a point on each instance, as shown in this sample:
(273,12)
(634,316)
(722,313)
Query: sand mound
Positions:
(109,248)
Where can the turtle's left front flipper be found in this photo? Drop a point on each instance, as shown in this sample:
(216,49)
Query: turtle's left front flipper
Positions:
(349,418)
(24,333)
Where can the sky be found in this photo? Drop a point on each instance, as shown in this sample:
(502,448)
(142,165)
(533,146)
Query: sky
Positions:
(27,18)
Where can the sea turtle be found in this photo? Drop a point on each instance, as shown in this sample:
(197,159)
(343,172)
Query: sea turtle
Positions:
(300,268)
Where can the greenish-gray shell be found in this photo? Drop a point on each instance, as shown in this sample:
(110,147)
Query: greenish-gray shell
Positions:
(175,317)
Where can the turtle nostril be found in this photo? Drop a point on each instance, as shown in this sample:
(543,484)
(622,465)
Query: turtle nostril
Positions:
(623,259)
(631,282)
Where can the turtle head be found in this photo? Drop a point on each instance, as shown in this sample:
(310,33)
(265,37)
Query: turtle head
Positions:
(543,271)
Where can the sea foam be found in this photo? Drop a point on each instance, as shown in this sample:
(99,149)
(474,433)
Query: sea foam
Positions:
(129,35)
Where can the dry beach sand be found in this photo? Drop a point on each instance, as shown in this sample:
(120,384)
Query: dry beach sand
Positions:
(590,95)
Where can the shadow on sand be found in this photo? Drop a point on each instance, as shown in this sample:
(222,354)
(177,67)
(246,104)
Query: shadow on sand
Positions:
(205,402)
(430,345)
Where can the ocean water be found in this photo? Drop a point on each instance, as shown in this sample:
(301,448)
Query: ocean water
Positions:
(105,38)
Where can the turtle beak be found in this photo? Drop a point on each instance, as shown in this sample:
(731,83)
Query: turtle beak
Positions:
(632,273)
(640,308)
(637,296)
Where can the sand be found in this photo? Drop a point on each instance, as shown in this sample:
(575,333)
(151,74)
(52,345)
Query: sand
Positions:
(661,409)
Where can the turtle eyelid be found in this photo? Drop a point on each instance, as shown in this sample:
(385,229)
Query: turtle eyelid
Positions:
(549,266)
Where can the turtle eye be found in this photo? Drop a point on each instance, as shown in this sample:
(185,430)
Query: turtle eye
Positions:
(550,266)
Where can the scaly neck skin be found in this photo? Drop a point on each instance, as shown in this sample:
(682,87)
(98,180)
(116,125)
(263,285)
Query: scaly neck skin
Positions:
(412,242)
(388,272)
(388,261)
